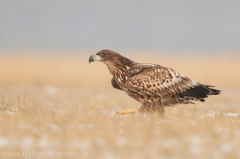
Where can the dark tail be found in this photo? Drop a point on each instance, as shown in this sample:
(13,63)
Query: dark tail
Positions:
(213,91)
(199,92)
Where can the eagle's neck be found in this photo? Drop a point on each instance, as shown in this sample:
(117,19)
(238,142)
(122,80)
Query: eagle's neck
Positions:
(119,66)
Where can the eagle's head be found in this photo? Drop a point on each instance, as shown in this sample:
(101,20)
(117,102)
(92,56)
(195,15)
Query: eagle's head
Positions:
(103,56)
(113,60)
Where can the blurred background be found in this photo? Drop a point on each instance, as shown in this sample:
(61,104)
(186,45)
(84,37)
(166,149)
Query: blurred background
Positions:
(52,99)
(149,25)
(56,37)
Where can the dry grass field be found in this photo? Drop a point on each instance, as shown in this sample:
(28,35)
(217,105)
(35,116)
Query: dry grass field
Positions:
(64,107)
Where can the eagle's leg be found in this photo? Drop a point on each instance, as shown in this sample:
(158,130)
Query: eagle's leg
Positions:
(159,109)
(153,107)
(130,111)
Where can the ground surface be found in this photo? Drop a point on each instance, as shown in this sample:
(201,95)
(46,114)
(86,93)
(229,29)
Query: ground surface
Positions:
(64,107)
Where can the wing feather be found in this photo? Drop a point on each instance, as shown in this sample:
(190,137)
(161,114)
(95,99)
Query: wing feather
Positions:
(159,81)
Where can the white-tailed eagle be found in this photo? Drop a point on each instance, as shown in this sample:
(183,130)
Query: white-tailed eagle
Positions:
(153,85)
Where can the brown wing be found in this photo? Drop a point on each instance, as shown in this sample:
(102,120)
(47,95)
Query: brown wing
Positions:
(138,68)
(159,81)
(114,84)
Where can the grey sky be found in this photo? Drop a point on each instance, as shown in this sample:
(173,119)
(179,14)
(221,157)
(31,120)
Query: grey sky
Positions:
(112,24)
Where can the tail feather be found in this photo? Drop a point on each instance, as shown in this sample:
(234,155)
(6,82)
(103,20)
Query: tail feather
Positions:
(199,92)
(213,91)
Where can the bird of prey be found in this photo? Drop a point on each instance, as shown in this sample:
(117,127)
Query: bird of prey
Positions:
(152,85)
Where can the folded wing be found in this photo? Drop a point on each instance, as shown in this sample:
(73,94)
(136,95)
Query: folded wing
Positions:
(165,82)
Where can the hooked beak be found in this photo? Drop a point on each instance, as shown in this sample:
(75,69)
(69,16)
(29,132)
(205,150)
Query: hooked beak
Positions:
(94,58)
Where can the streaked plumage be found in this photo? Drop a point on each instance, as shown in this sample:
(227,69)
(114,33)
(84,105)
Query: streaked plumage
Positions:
(153,85)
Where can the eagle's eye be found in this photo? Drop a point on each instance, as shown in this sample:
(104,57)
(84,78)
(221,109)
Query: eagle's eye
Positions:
(101,55)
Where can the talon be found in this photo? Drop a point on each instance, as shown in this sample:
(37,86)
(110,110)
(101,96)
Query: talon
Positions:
(125,112)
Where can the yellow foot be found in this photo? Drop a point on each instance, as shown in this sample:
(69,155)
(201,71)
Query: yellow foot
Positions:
(130,111)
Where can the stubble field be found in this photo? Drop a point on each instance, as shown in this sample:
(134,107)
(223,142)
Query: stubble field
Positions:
(63,107)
